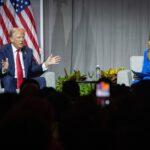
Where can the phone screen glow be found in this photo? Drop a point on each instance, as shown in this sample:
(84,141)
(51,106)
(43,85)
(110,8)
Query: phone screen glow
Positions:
(102,89)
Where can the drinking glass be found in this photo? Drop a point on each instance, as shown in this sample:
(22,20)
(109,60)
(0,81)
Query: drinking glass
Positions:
(90,75)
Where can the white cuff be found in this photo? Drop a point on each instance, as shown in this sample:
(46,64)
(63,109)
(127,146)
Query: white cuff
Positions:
(44,67)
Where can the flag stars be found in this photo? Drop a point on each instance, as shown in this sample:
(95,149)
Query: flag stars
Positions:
(1,3)
(26,2)
(20,5)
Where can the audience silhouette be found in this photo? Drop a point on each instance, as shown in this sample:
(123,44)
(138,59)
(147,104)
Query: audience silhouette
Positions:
(45,119)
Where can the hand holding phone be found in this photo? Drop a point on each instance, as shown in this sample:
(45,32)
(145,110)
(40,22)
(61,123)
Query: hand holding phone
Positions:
(103,93)
(102,89)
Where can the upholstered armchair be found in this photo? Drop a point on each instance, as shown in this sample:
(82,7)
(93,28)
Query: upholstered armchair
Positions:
(126,76)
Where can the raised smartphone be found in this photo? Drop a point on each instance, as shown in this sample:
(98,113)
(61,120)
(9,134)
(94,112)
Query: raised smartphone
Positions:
(103,93)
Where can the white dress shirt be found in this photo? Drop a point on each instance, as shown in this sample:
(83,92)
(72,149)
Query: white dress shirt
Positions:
(21,60)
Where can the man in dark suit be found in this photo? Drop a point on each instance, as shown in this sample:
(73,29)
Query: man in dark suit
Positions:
(9,54)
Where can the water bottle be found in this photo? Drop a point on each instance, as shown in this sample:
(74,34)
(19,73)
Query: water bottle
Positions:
(98,72)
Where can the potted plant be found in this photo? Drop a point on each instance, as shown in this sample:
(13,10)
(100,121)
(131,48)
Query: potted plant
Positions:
(85,89)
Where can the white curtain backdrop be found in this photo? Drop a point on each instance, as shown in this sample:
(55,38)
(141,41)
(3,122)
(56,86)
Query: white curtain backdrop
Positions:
(90,32)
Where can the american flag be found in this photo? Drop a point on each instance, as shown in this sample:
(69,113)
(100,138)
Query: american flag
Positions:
(18,13)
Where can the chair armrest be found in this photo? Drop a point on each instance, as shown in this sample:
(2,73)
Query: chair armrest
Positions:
(50,79)
(124,77)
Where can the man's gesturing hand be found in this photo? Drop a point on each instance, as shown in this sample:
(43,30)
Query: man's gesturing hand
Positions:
(52,60)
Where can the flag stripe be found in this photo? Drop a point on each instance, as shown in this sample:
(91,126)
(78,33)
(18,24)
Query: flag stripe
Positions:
(1,41)
(28,12)
(28,31)
(2,36)
(4,28)
(30,25)
(7,23)
(10,16)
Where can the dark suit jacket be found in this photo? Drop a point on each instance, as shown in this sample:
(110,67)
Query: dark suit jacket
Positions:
(31,68)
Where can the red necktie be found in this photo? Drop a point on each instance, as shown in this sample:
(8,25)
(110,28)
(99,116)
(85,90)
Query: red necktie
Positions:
(19,70)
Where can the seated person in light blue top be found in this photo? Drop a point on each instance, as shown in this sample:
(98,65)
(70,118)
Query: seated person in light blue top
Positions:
(146,65)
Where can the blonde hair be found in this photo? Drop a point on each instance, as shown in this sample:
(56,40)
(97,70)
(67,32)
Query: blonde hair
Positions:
(14,30)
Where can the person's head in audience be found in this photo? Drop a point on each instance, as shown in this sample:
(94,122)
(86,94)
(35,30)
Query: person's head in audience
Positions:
(58,100)
(29,86)
(71,89)
(106,80)
(7,102)
(29,125)
(80,126)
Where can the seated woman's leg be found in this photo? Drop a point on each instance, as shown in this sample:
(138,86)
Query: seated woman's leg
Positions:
(146,78)
(135,81)
(9,84)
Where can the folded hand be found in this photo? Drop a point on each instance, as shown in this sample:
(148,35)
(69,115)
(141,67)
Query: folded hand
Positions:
(5,65)
(135,77)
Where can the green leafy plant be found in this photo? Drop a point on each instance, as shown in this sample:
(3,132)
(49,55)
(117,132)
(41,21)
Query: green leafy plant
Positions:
(85,89)
(111,74)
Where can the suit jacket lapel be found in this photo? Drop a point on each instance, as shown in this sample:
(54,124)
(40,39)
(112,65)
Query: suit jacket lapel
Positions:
(9,54)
